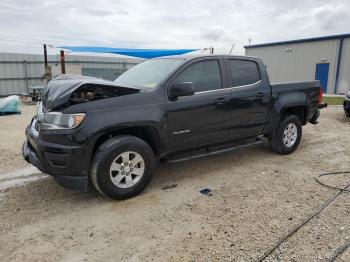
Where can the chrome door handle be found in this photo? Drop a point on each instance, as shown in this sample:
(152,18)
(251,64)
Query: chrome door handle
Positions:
(221,101)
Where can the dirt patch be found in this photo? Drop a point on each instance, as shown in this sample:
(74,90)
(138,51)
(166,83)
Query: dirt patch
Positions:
(257,196)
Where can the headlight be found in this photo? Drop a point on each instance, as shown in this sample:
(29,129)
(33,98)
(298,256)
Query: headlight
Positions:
(55,120)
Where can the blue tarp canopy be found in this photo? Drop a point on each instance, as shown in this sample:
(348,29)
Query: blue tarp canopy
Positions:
(141,53)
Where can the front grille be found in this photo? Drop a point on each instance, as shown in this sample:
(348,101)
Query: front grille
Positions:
(37,125)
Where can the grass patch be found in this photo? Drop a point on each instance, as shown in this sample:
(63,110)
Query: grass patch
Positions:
(333,100)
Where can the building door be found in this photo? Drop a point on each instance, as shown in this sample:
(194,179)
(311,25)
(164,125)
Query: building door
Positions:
(322,75)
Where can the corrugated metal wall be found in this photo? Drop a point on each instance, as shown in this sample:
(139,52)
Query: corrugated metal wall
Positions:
(297,61)
(344,73)
(20,71)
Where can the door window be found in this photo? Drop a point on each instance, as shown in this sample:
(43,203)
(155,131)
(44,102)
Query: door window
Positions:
(204,75)
(243,72)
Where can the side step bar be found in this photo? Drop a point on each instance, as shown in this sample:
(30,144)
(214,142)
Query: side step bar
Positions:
(213,153)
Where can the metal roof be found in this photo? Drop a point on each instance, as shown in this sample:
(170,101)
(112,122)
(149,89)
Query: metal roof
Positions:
(322,38)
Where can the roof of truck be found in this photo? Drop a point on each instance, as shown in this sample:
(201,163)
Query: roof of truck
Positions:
(194,56)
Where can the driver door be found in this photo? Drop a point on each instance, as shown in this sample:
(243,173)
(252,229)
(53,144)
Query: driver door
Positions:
(203,118)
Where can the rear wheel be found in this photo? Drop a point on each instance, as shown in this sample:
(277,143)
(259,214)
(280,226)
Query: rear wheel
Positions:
(287,136)
(122,167)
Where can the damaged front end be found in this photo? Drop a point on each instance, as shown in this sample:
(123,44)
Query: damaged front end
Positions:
(55,136)
(66,90)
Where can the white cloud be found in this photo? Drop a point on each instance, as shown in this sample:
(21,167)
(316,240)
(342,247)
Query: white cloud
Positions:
(25,25)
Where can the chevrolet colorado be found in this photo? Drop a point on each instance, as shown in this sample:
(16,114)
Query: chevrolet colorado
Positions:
(111,134)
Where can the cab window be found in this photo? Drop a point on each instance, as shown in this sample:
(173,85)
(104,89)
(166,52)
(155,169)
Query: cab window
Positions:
(243,72)
(204,75)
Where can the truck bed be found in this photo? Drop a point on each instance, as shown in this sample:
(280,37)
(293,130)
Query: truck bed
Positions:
(310,89)
(297,85)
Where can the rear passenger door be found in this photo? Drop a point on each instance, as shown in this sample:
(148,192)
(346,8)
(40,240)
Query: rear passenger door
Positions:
(203,118)
(250,97)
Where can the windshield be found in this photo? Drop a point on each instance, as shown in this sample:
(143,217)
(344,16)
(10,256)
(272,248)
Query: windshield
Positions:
(149,73)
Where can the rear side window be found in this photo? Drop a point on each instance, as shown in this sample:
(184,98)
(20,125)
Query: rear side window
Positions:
(244,72)
(204,75)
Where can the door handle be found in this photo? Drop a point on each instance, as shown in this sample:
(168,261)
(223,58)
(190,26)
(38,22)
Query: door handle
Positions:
(260,94)
(221,101)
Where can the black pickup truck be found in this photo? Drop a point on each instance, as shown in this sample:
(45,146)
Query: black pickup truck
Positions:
(111,134)
(347,104)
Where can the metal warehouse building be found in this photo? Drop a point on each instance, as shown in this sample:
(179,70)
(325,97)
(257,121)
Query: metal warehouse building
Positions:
(323,58)
(18,72)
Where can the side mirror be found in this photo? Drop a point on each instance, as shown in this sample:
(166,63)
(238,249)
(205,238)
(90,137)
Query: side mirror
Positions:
(182,89)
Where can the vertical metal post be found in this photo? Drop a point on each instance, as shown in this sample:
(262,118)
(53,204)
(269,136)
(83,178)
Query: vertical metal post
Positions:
(26,75)
(45,56)
(47,69)
(63,66)
(211,50)
(340,50)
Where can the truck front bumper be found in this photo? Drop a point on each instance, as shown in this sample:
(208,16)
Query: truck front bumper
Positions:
(56,160)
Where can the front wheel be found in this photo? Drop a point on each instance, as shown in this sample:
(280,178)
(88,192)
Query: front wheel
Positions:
(122,167)
(287,136)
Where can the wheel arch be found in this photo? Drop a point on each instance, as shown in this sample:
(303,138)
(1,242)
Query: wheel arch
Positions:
(148,134)
(299,111)
(295,103)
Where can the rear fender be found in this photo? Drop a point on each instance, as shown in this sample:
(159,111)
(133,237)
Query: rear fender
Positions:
(282,103)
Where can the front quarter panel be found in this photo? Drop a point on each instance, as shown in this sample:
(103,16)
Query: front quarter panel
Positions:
(145,109)
(104,121)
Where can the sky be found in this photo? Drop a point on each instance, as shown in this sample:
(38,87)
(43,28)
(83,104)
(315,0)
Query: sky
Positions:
(26,24)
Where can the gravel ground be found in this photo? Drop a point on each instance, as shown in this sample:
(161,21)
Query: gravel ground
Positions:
(257,196)
(12,128)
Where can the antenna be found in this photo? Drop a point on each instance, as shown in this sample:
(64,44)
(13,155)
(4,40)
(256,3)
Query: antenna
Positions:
(233,45)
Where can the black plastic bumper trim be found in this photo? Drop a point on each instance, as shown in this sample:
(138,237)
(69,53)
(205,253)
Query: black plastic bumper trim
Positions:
(30,156)
(73,182)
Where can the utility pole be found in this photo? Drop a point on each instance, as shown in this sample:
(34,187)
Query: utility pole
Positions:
(45,56)
(26,75)
(211,50)
(63,66)
(47,69)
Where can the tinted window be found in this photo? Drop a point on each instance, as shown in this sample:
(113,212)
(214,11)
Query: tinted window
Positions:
(244,72)
(204,75)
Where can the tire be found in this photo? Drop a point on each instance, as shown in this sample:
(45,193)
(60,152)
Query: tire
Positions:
(347,113)
(108,163)
(289,124)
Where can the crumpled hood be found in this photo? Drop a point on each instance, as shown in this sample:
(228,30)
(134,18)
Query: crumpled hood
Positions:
(59,90)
